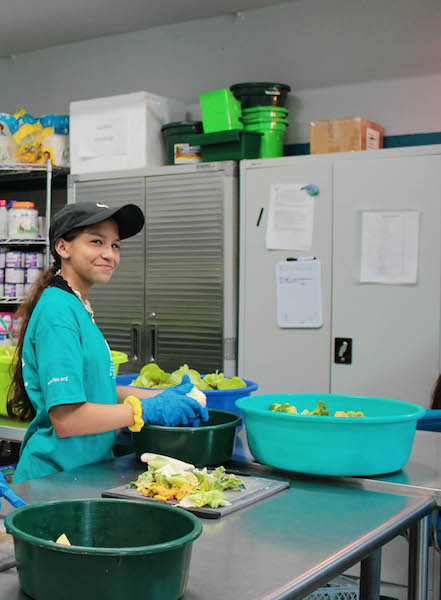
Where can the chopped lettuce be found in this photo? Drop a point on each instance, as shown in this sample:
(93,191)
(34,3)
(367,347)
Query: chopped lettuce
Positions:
(213,379)
(176,376)
(212,498)
(231,384)
(152,376)
(168,479)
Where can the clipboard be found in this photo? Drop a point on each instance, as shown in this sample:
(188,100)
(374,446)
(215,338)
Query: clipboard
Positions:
(299,293)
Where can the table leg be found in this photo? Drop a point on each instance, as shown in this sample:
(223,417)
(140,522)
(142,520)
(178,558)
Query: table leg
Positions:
(370,572)
(418,560)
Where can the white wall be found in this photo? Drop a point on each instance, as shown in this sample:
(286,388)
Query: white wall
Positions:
(366,58)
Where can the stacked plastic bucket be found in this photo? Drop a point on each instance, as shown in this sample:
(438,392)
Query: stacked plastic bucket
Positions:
(264,110)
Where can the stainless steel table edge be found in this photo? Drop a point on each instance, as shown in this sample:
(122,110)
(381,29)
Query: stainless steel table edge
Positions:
(372,542)
(365,483)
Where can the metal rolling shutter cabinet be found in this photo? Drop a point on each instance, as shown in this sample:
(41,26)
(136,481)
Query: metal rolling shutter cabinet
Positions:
(184,270)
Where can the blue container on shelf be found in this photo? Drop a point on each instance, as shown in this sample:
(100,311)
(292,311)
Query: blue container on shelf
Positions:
(216,399)
(376,444)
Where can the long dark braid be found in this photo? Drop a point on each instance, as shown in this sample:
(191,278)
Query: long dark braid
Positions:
(19,406)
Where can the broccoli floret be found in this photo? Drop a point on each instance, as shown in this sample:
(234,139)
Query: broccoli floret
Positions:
(320,409)
(274,406)
(292,410)
(352,413)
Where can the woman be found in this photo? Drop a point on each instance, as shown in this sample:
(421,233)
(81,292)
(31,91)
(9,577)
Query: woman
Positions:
(64,376)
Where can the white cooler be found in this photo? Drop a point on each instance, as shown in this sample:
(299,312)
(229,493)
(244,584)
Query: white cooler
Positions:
(120,132)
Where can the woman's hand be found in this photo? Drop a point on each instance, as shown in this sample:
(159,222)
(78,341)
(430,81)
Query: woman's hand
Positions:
(173,408)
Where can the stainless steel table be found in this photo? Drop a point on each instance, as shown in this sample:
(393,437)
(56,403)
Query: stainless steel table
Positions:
(283,547)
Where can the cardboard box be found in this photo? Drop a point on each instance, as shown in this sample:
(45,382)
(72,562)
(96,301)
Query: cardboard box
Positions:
(120,132)
(345,135)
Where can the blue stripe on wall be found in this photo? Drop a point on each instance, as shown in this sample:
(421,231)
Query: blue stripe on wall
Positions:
(390,141)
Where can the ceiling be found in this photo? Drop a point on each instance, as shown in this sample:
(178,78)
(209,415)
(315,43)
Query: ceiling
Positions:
(26,26)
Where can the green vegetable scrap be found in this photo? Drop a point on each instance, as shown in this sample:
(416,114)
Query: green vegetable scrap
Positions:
(176,376)
(152,376)
(321,410)
(214,379)
(167,480)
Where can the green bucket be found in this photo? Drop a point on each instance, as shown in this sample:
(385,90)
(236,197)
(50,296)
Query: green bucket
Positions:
(120,549)
(118,359)
(6,373)
(275,112)
(273,134)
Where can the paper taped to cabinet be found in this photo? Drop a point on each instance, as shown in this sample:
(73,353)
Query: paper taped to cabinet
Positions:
(290,219)
(389,246)
(299,293)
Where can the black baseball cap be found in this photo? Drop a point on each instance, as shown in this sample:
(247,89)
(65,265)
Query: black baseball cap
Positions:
(129,218)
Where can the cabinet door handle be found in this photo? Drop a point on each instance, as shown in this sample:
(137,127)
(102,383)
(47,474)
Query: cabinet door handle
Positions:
(153,341)
(136,341)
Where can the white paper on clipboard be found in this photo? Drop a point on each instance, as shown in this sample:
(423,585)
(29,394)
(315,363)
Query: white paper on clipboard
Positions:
(299,293)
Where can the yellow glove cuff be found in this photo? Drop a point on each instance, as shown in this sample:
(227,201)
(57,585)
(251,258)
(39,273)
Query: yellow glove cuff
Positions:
(137,413)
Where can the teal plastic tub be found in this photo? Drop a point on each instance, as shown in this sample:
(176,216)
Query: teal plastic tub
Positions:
(378,443)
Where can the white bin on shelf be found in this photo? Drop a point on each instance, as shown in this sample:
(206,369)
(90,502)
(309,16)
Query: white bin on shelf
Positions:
(120,132)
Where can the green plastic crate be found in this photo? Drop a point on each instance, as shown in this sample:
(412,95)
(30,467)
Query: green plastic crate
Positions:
(233,144)
(220,111)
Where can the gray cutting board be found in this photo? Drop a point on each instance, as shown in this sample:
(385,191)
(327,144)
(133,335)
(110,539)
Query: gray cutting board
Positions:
(256,489)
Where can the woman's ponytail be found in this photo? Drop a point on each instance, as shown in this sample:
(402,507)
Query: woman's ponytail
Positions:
(19,406)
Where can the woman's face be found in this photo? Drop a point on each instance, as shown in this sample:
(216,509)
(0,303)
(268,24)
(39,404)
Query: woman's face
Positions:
(94,253)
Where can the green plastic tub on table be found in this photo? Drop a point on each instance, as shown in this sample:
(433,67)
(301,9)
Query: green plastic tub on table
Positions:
(209,444)
(378,443)
(122,549)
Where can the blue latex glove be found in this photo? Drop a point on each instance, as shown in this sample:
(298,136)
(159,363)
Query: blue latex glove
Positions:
(173,408)
(9,493)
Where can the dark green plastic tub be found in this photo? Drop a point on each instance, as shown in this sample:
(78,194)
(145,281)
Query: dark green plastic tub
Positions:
(211,444)
(121,549)
(264,93)
(177,133)
(233,144)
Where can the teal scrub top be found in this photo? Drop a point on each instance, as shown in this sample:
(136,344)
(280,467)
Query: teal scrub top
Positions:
(65,360)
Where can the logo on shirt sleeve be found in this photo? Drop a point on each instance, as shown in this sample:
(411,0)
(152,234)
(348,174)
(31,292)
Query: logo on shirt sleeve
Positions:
(58,379)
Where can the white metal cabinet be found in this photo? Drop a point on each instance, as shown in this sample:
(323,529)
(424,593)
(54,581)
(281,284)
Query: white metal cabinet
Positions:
(395,328)
(281,360)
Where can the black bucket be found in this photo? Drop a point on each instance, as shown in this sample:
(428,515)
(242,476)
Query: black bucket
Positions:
(261,94)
